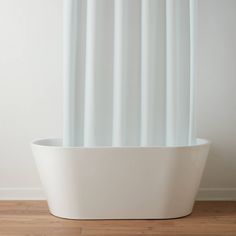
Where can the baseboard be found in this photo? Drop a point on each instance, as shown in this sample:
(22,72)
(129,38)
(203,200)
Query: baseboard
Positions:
(217,194)
(210,194)
(22,194)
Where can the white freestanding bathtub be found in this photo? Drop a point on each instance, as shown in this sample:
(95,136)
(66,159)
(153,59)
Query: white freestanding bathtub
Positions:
(120,182)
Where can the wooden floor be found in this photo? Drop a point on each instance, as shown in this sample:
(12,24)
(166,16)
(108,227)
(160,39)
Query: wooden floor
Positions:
(31,218)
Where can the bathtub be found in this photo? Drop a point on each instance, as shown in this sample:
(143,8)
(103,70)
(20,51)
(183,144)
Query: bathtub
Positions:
(120,182)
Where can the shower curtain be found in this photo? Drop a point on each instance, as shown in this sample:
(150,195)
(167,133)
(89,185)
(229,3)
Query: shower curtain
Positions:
(129,72)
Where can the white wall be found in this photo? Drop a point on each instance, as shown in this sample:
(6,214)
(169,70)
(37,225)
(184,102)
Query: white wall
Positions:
(30,87)
(217,93)
(31,91)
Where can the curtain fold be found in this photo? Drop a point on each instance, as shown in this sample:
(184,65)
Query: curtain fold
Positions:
(126,89)
(153,73)
(129,72)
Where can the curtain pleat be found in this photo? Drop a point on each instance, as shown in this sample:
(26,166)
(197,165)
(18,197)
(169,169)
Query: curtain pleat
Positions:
(129,72)
(153,73)
(126,89)
(74,37)
(99,73)
(178,71)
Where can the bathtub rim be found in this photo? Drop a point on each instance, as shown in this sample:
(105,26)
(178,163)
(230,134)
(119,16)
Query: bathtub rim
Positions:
(56,143)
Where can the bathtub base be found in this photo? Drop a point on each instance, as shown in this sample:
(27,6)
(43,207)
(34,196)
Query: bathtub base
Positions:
(120,183)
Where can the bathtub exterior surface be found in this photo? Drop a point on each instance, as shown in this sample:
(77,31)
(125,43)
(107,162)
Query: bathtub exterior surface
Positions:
(122,182)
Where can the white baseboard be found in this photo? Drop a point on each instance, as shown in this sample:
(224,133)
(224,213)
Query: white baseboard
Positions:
(217,194)
(210,194)
(22,194)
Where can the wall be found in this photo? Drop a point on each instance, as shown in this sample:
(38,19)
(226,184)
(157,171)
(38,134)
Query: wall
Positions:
(30,88)
(31,92)
(216,94)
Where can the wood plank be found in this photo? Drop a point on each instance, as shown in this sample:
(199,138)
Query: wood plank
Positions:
(32,218)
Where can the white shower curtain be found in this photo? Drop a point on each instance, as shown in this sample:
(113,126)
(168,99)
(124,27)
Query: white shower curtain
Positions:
(129,72)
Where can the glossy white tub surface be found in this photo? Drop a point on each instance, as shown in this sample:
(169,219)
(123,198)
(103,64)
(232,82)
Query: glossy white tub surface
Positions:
(120,182)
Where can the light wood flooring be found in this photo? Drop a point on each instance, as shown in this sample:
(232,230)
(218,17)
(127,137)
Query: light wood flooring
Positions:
(32,218)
